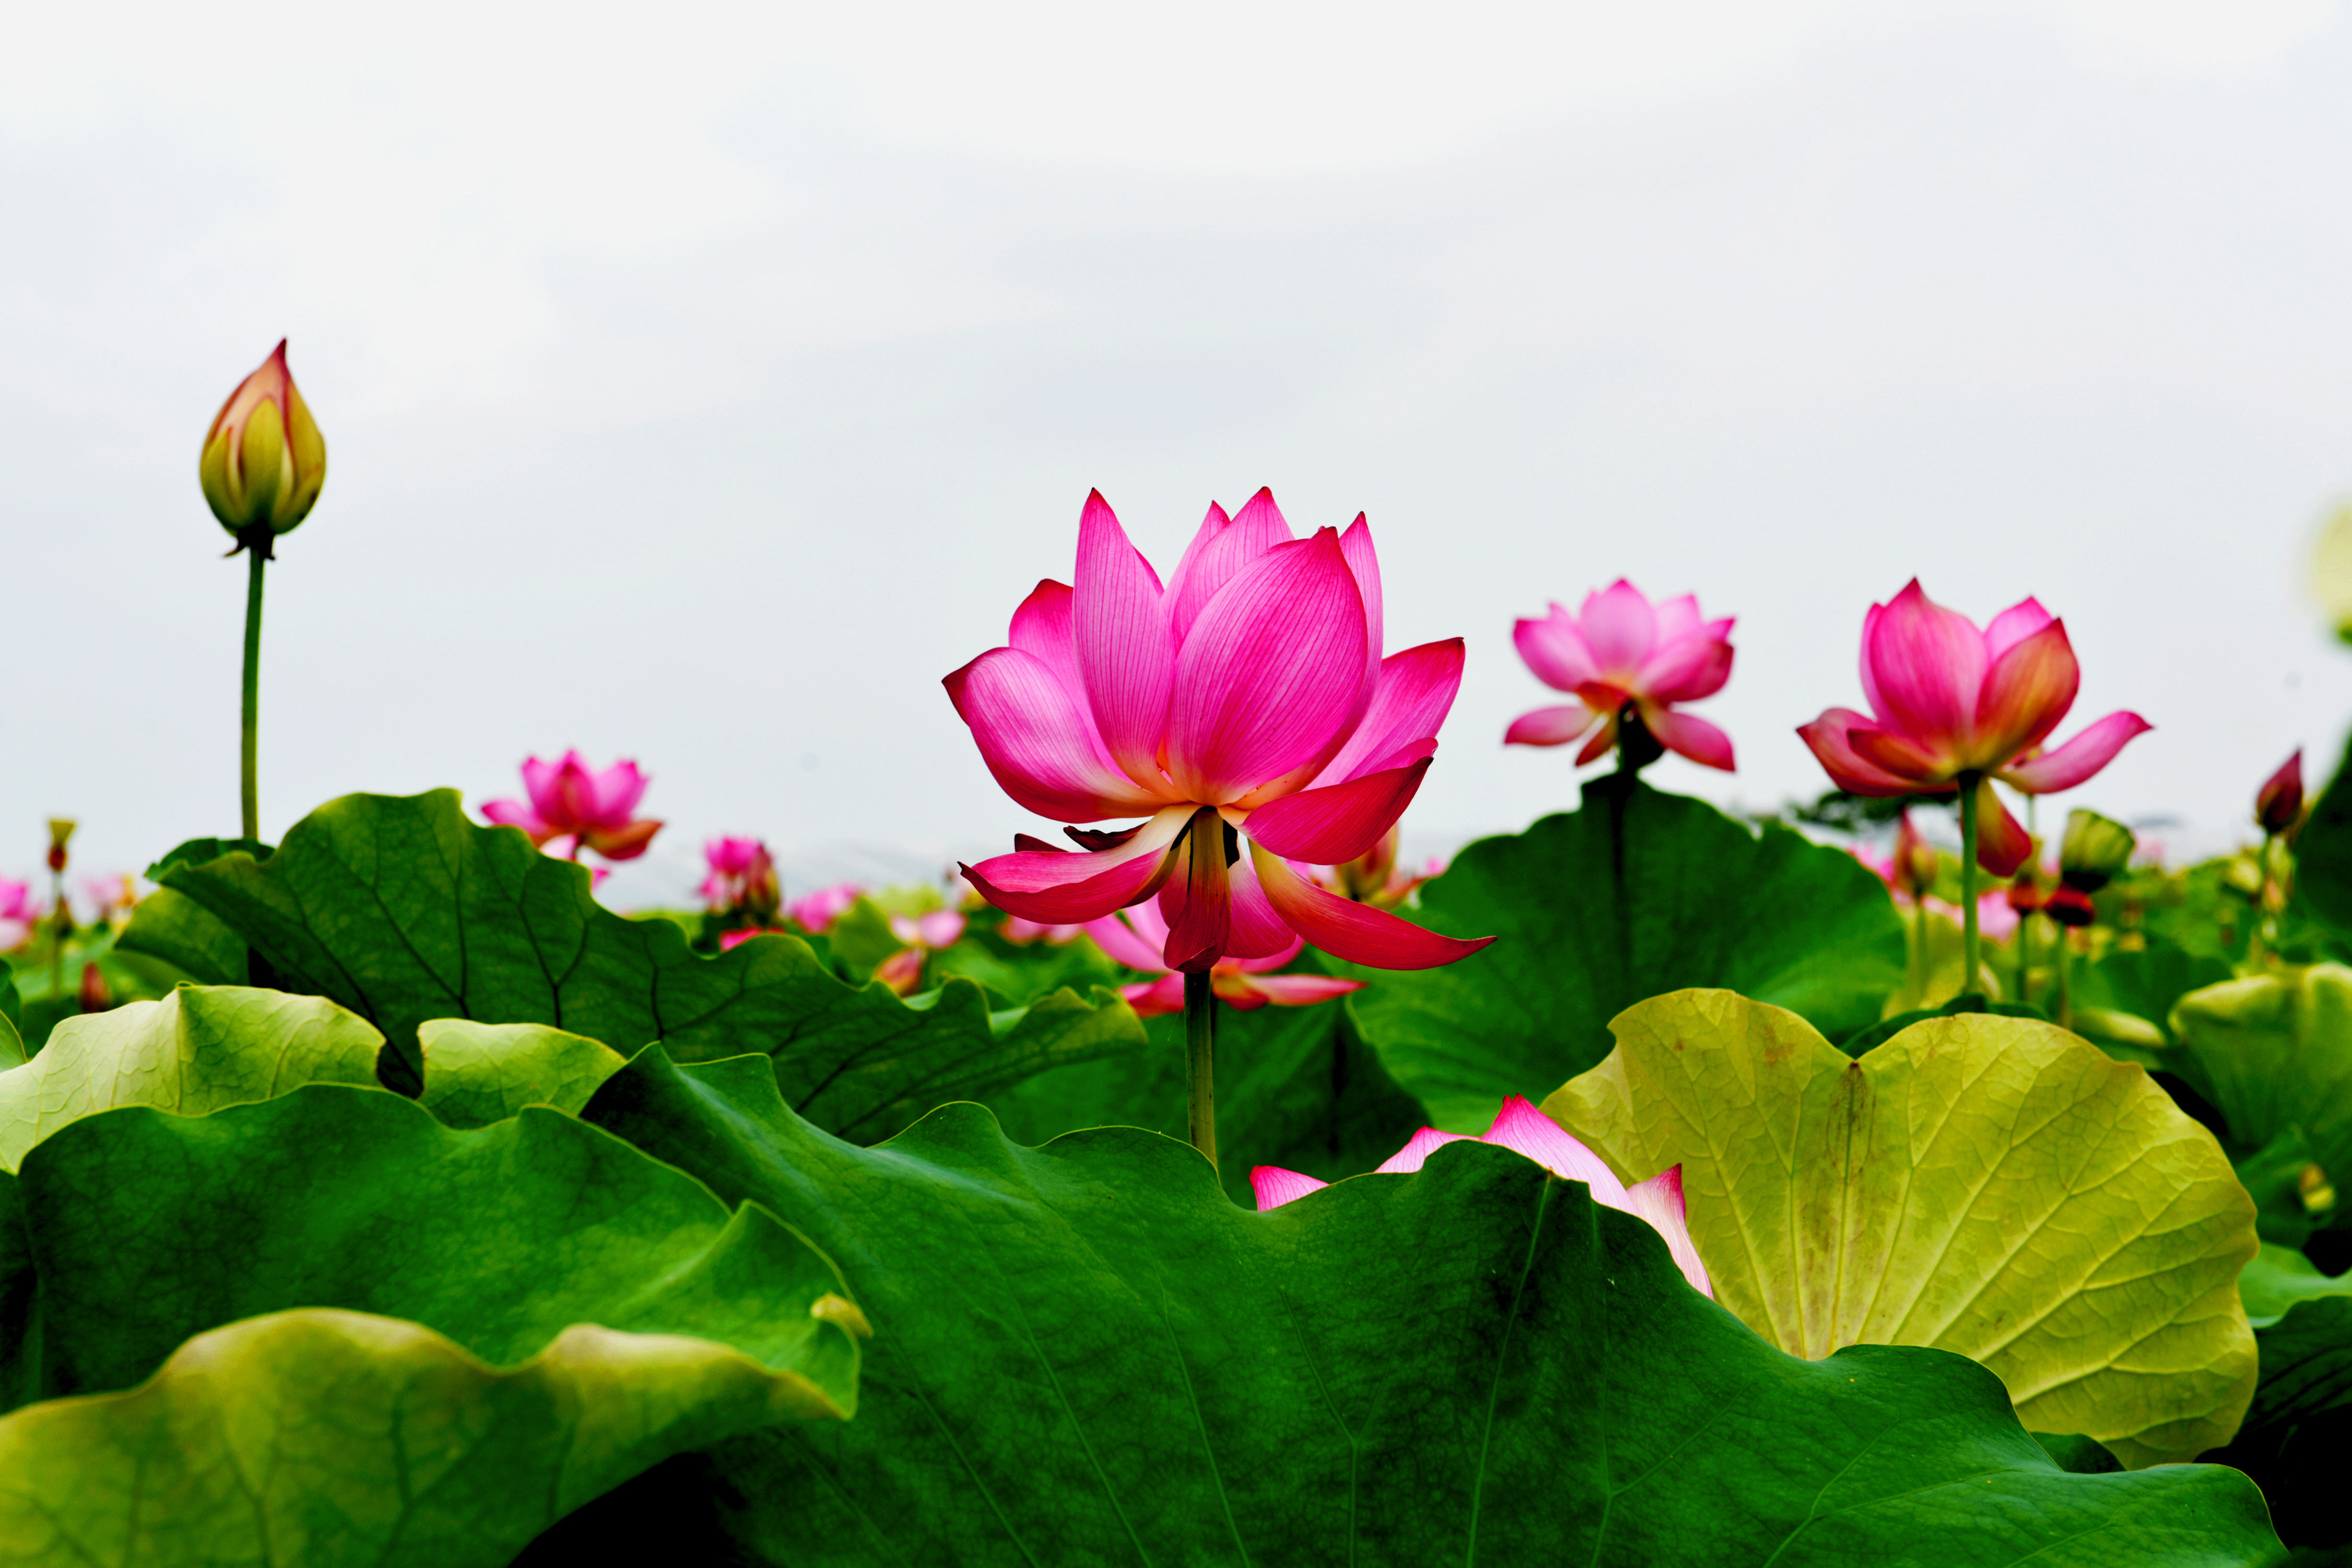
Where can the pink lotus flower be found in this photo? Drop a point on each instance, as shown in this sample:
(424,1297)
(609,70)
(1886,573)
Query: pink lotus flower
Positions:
(730,940)
(817,911)
(1138,937)
(924,935)
(1374,878)
(2279,805)
(1017,929)
(19,913)
(592,810)
(1623,649)
(742,876)
(1244,703)
(1949,699)
(1524,1130)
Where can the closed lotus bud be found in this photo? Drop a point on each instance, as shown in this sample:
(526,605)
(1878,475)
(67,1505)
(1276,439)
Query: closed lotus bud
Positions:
(2069,906)
(2095,852)
(264,460)
(1916,860)
(2279,806)
(2025,892)
(61,828)
(95,998)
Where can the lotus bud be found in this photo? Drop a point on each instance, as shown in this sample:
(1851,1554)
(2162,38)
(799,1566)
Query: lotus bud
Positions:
(1916,861)
(94,996)
(2095,852)
(61,828)
(2025,892)
(2069,906)
(2279,806)
(264,462)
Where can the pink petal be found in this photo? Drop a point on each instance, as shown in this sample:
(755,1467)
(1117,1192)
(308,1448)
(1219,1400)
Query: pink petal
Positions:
(1036,739)
(1929,663)
(1198,898)
(1899,755)
(2028,689)
(1555,649)
(1276,1187)
(1679,615)
(2003,843)
(1870,693)
(1338,822)
(539,780)
(1356,932)
(1602,739)
(941,928)
(1364,565)
(1829,736)
(1416,692)
(1549,726)
(1150,998)
(617,791)
(1525,1130)
(1687,667)
(2077,760)
(1125,944)
(1299,990)
(1292,946)
(515,814)
(626,842)
(1258,934)
(1217,554)
(1270,673)
(1052,888)
(1659,1201)
(1125,654)
(1687,736)
(1417,1151)
(2013,625)
(1619,629)
(1044,629)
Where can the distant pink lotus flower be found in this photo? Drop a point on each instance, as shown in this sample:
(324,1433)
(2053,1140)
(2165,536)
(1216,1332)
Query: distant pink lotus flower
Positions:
(1950,699)
(1026,931)
(1524,1130)
(19,913)
(1138,937)
(817,911)
(1375,877)
(1619,650)
(728,941)
(2279,804)
(924,935)
(1244,706)
(592,810)
(741,876)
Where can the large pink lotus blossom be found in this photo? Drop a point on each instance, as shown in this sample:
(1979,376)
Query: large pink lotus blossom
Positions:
(818,911)
(1619,650)
(1524,1130)
(593,810)
(20,912)
(1947,700)
(1243,708)
(1138,937)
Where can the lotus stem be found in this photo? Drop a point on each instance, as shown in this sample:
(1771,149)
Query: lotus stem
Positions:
(1922,974)
(250,796)
(2065,978)
(1200,1064)
(1968,783)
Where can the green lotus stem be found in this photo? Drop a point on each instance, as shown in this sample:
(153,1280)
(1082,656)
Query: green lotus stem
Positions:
(2065,978)
(1968,783)
(251,796)
(1921,973)
(1200,1064)
(2024,947)
(56,934)
(2260,902)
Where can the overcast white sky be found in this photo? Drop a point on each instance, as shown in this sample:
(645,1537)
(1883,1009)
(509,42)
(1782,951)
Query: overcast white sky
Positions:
(702,383)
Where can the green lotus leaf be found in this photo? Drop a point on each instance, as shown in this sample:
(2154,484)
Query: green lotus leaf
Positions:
(2277,1278)
(198,1050)
(2300,1427)
(326,1436)
(405,911)
(1987,1186)
(1637,894)
(1085,1353)
(475,1074)
(2274,1052)
(11,1044)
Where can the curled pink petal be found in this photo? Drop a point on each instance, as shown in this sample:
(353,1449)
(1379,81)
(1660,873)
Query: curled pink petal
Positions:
(1415,693)
(1929,663)
(1152,999)
(2003,843)
(1125,653)
(1554,648)
(1037,741)
(1689,736)
(1602,738)
(1356,932)
(626,842)
(1550,726)
(1659,1201)
(1292,990)
(1276,1187)
(1338,822)
(1056,888)
(2028,688)
(1270,673)
(1830,736)
(2092,749)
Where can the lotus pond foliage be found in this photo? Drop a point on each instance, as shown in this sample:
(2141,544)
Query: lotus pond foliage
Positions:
(1883,1182)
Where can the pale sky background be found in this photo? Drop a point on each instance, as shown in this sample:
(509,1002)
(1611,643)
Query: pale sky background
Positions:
(702,383)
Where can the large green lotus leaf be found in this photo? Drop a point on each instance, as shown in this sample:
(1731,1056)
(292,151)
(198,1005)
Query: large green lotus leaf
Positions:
(475,1074)
(1993,1186)
(11,1044)
(405,911)
(2274,1052)
(2277,1278)
(1085,1353)
(2322,853)
(1295,1086)
(1637,894)
(319,1437)
(198,1050)
(2300,1427)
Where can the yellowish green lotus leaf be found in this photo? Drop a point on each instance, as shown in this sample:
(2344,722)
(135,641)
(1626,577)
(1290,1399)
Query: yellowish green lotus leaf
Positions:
(2331,569)
(2275,1052)
(1989,1186)
(11,1044)
(192,1053)
(320,1435)
(475,1074)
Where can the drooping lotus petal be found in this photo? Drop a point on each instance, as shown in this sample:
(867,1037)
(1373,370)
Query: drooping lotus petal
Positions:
(626,842)
(2003,843)
(1659,1200)
(1356,932)
(1258,935)
(1554,648)
(1830,736)
(1338,822)
(1602,738)
(1283,990)
(2092,749)
(1125,653)
(1929,663)
(1685,669)
(2013,625)
(1415,693)
(2028,688)
(1276,1187)
(1042,628)
(1689,736)
(1150,998)
(1549,726)
(1270,674)
(515,814)
(1037,741)
(1197,897)
(1619,629)
(1129,943)
(1053,889)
